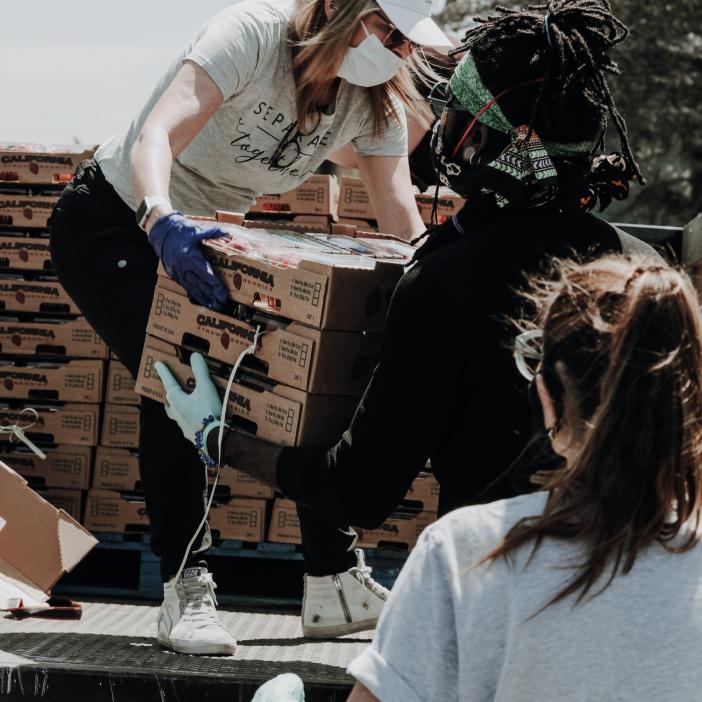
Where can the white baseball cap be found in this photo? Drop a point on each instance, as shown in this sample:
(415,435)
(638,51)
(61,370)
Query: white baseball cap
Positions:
(413,19)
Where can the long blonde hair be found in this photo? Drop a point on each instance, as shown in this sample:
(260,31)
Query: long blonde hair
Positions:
(319,46)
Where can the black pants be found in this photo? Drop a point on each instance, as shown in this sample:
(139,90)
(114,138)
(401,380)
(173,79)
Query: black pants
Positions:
(106,264)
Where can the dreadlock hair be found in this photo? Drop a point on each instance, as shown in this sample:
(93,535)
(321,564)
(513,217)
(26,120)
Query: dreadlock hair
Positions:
(567,43)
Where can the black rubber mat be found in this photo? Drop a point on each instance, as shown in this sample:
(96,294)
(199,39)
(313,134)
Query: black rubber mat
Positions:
(106,656)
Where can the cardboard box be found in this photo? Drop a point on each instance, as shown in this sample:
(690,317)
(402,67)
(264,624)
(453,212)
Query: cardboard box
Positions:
(70,501)
(239,484)
(423,494)
(120,385)
(348,228)
(400,529)
(277,413)
(355,206)
(285,524)
(18,294)
(241,519)
(354,201)
(303,227)
(50,337)
(337,291)
(38,543)
(68,423)
(316,361)
(448,205)
(24,253)
(120,426)
(72,381)
(37,163)
(116,469)
(64,466)
(115,512)
(318,195)
(370,225)
(25,211)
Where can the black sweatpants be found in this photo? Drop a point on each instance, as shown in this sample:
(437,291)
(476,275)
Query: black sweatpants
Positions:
(105,262)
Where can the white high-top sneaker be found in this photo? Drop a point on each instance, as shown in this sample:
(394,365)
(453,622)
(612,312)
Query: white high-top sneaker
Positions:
(187,620)
(335,605)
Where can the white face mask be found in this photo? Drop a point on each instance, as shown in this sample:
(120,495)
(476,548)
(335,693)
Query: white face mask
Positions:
(370,63)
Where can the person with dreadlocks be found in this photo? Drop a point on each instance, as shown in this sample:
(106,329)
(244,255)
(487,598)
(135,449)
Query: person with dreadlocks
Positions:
(523,121)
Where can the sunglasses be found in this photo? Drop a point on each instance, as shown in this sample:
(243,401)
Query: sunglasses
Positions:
(528,353)
(394,38)
(440,98)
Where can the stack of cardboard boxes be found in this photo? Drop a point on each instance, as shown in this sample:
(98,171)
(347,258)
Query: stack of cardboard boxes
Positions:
(115,501)
(50,358)
(401,529)
(320,304)
(356,210)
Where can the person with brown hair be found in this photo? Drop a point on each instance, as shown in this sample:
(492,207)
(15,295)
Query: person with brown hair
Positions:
(588,589)
(263,94)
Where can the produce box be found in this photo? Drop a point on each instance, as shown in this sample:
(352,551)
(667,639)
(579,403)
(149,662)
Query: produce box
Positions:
(116,469)
(115,512)
(39,163)
(60,423)
(21,210)
(24,253)
(63,467)
(316,361)
(276,413)
(318,195)
(240,519)
(120,426)
(70,381)
(325,282)
(50,337)
(22,294)
(120,385)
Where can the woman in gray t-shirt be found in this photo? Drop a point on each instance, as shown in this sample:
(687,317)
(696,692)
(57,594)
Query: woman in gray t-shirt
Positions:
(589,589)
(261,96)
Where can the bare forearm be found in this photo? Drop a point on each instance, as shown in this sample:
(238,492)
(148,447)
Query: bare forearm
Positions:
(151,161)
(255,457)
(401,221)
(389,186)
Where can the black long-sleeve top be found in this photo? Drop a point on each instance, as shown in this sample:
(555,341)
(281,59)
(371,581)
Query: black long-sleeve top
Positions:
(446,387)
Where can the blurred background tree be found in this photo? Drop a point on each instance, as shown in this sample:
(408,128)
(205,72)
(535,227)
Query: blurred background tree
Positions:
(659,93)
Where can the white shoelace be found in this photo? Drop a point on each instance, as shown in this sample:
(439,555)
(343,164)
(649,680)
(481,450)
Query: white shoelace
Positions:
(200,601)
(363,573)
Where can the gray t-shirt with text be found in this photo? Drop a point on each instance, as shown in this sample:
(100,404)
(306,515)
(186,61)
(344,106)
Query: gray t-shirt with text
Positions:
(246,51)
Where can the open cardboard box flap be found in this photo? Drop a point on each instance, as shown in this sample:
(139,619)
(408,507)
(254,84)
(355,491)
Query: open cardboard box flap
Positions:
(38,543)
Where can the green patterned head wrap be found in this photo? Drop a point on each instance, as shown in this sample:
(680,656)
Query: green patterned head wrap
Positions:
(525,166)
(468,88)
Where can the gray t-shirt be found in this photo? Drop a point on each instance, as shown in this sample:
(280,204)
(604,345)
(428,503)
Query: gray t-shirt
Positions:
(246,51)
(453,632)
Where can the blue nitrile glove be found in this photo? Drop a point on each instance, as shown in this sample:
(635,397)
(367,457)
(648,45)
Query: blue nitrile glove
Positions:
(283,688)
(198,412)
(176,240)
